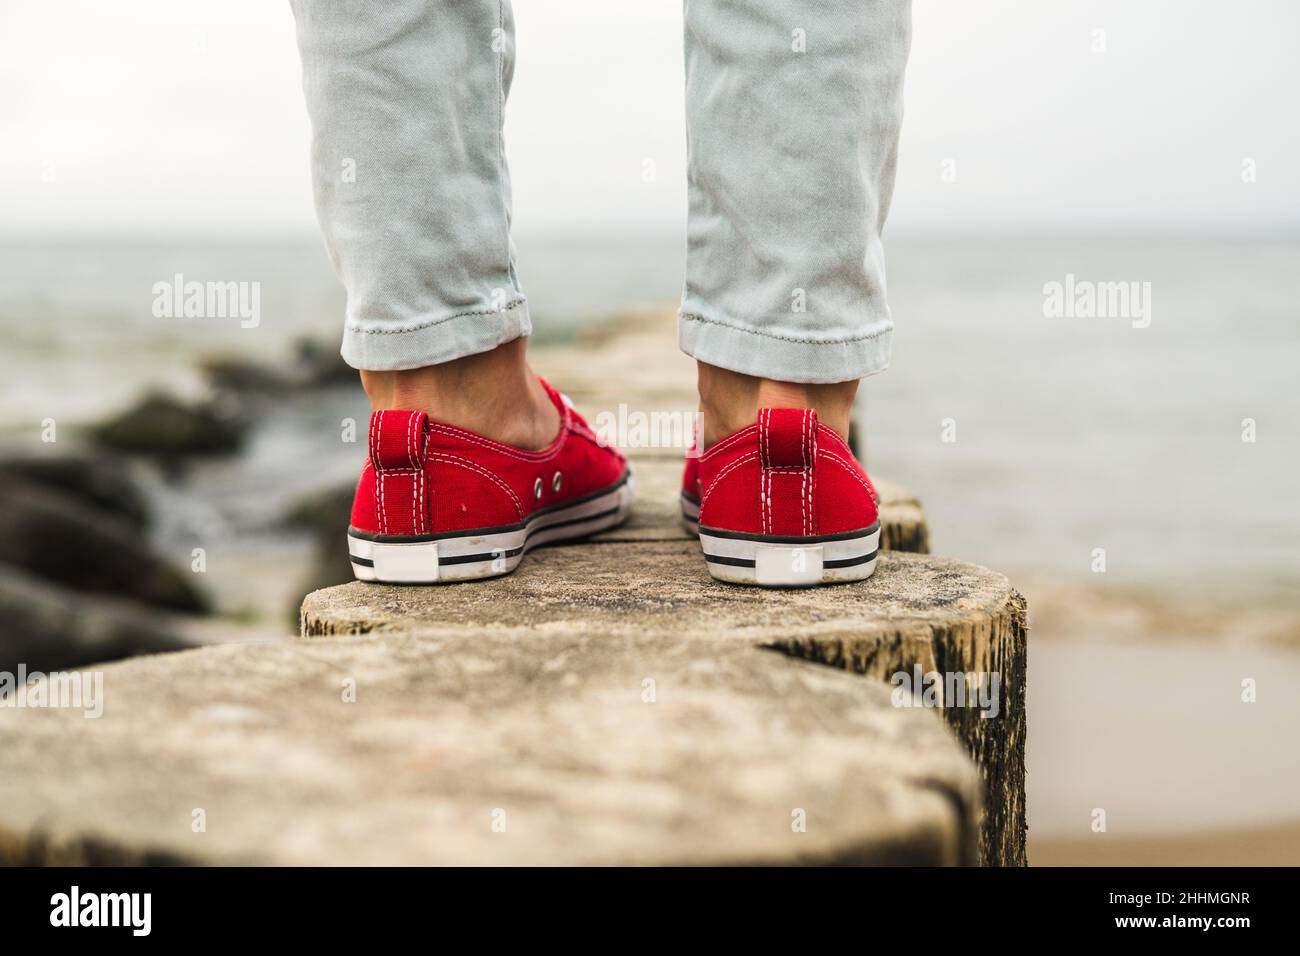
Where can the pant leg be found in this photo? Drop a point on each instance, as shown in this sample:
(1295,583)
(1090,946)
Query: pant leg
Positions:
(793,114)
(406,99)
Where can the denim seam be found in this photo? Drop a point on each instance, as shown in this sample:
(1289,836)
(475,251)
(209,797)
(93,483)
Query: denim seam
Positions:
(501,145)
(692,317)
(353,327)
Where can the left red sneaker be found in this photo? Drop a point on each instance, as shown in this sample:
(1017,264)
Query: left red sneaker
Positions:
(783,503)
(690,499)
(438,503)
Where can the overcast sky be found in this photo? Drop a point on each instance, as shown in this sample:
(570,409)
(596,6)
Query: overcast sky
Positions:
(187,116)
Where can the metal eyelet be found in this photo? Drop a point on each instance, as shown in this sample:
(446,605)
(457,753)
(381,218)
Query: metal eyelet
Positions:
(537,489)
(555,482)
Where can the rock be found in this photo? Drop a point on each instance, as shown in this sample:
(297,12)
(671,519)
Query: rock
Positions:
(915,611)
(100,480)
(230,373)
(47,627)
(163,426)
(513,745)
(326,514)
(315,364)
(61,539)
(326,509)
(902,519)
(318,363)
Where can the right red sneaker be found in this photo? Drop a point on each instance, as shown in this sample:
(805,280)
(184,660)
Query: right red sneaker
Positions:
(438,503)
(783,503)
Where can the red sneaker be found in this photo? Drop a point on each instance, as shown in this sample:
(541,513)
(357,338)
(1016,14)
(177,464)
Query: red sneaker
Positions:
(439,503)
(691,491)
(783,503)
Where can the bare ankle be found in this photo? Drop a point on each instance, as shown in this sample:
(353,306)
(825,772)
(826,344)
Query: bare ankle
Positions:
(730,401)
(492,393)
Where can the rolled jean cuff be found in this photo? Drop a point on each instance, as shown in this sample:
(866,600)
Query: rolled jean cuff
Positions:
(781,358)
(384,347)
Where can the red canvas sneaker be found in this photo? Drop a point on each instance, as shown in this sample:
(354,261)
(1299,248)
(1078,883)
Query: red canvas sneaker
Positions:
(691,491)
(438,503)
(783,503)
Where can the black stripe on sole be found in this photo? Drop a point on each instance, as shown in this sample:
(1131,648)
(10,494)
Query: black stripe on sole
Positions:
(493,555)
(750,563)
(488,556)
(733,562)
(850,562)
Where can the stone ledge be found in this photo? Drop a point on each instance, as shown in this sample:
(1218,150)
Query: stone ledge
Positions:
(915,611)
(547,731)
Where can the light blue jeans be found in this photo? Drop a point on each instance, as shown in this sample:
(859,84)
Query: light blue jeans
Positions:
(793,110)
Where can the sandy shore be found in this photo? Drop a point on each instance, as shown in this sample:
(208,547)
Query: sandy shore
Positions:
(1277,845)
(1060,609)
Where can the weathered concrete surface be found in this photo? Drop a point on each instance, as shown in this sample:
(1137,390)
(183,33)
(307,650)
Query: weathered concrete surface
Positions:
(637,363)
(935,613)
(588,746)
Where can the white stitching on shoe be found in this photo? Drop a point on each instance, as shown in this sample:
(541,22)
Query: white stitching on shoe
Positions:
(488,443)
(852,471)
(424,501)
(379,481)
(415,481)
(567,423)
(764,464)
(466,463)
(836,439)
(723,474)
(812,477)
(726,442)
(803,487)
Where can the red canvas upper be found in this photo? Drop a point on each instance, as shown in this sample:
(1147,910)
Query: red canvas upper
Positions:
(785,475)
(691,474)
(424,477)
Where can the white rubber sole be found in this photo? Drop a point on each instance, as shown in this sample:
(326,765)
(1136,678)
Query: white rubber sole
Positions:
(790,562)
(488,553)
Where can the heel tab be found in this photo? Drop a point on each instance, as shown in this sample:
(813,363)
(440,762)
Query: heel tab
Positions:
(397,439)
(787,437)
(398,443)
(787,449)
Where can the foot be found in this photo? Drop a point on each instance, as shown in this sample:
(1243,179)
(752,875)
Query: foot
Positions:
(494,394)
(729,401)
(782,502)
(441,502)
